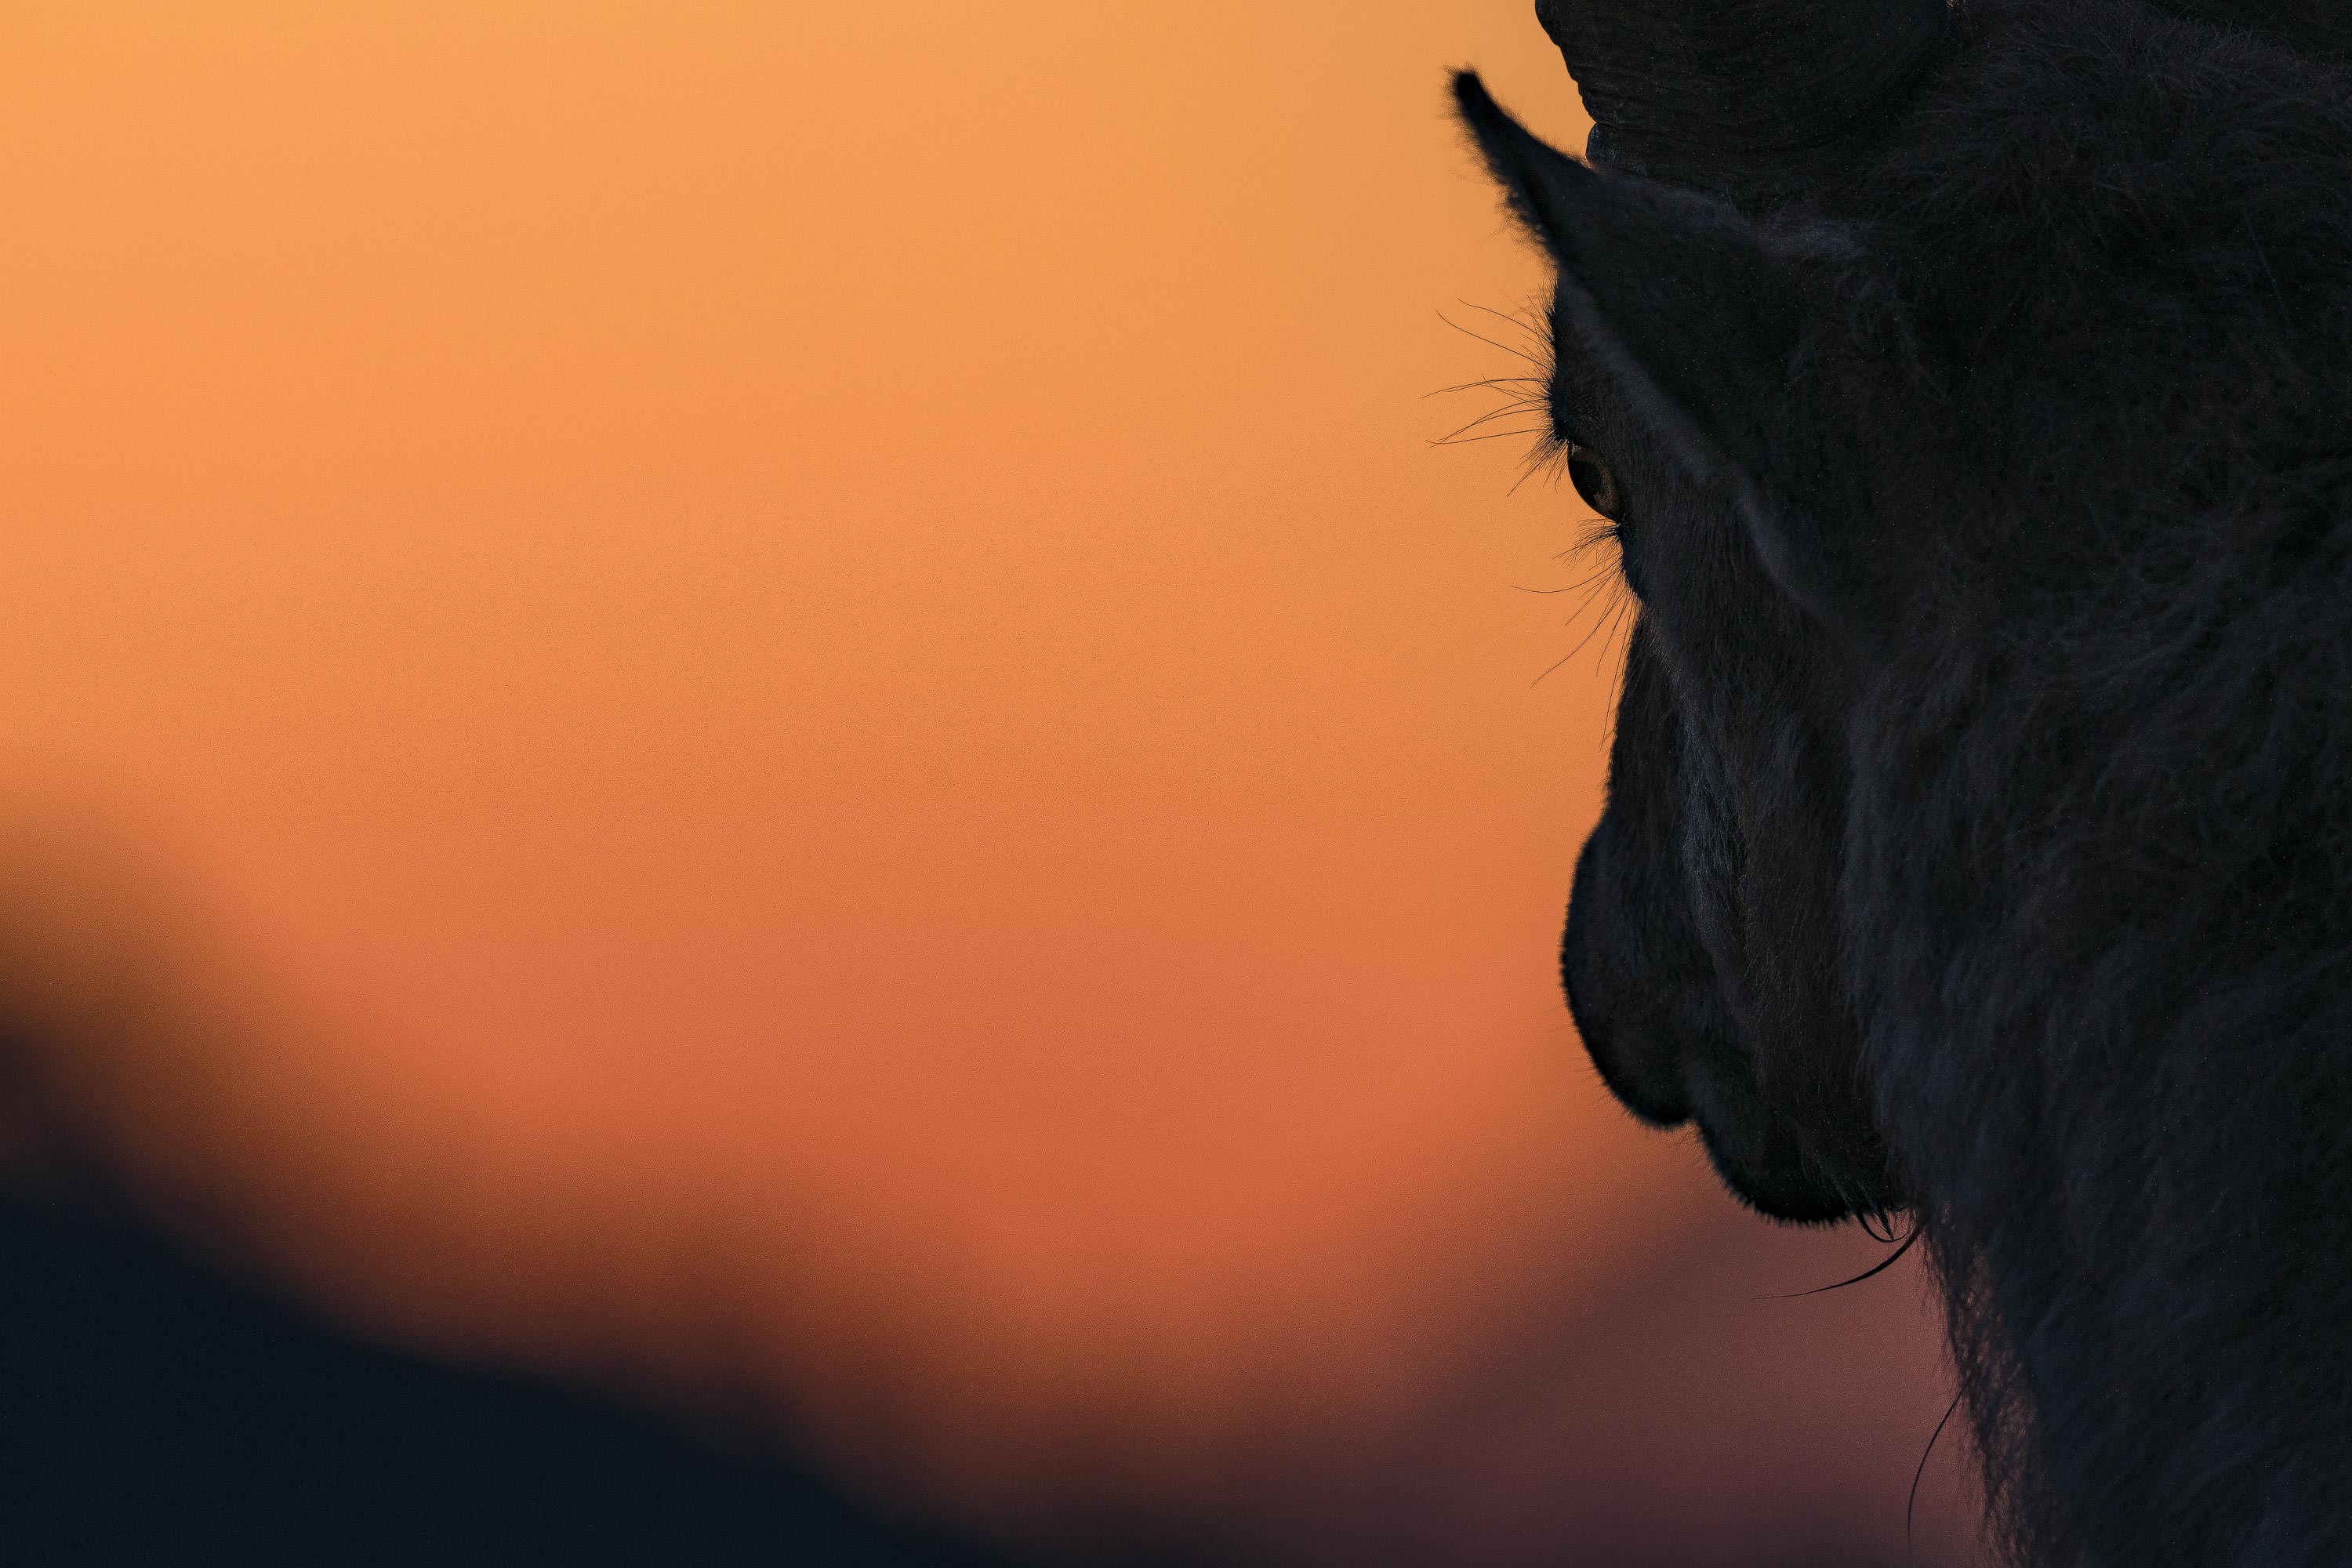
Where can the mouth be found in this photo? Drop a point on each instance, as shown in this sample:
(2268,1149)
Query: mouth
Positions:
(1793,1191)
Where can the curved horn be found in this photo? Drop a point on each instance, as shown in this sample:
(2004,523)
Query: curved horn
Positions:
(1730,94)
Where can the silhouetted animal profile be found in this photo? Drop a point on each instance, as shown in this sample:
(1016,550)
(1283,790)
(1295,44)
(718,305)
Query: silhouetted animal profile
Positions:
(1971,393)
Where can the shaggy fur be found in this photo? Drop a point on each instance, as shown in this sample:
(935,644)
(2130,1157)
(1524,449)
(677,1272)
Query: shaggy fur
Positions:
(1979,830)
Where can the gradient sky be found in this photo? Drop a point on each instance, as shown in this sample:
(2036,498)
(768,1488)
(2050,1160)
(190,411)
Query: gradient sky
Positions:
(810,696)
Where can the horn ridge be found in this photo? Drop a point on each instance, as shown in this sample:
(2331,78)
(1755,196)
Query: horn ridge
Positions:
(1727,93)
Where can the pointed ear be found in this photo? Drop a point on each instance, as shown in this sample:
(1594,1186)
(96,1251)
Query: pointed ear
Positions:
(1694,324)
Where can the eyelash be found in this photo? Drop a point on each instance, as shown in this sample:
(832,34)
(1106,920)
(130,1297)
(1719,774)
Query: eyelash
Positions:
(1606,528)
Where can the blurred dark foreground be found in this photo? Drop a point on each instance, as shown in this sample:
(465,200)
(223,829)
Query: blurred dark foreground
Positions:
(155,1412)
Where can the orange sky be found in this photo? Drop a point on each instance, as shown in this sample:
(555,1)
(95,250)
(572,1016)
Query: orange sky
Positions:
(813,686)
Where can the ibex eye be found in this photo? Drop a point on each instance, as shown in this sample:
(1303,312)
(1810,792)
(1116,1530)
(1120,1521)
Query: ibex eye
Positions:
(1594,481)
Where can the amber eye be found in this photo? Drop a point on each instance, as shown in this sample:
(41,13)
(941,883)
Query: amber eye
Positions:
(1594,481)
